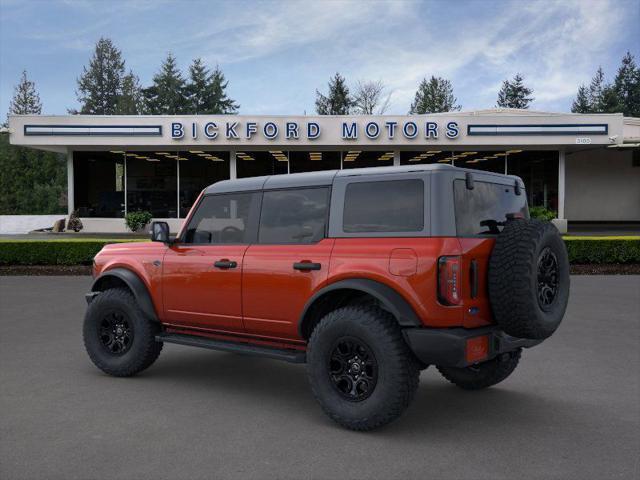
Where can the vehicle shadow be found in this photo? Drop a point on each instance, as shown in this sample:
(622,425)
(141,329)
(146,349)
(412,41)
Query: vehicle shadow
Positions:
(438,407)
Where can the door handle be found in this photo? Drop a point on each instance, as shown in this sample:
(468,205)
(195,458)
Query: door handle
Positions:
(225,264)
(306,266)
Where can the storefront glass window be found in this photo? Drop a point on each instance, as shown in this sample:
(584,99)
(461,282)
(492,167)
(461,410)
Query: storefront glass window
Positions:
(99,184)
(313,161)
(197,170)
(258,163)
(152,184)
(539,171)
(363,158)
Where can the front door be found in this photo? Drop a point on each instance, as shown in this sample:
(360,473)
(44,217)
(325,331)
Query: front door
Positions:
(289,261)
(202,272)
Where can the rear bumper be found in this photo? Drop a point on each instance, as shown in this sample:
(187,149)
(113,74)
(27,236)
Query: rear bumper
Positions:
(461,347)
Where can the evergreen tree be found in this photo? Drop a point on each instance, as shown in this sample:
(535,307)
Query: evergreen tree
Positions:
(514,94)
(581,104)
(196,89)
(627,86)
(31,181)
(338,101)
(25,99)
(130,101)
(596,91)
(218,100)
(100,85)
(433,96)
(206,92)
(167,95)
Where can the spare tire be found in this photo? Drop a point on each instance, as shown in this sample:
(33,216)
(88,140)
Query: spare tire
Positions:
(529,279)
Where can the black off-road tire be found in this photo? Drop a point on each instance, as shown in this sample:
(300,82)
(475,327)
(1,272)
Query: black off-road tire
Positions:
(142,350)
(522,249)
(397,371)
(484,374)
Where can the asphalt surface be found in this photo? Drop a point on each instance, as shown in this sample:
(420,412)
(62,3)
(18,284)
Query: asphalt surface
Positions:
(571,409)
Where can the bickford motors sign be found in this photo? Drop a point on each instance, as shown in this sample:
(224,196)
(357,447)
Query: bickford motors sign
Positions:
(295,130)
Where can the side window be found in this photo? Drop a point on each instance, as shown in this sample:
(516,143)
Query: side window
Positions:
(483,210)
(384,206)
(228,218)
(294,216)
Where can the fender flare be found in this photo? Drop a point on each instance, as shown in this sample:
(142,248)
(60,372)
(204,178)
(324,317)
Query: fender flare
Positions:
(387,296)
(135,284)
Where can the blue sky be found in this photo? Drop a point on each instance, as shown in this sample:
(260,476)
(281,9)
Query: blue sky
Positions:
(275,54)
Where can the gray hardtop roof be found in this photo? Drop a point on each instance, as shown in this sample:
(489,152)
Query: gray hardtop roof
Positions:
(326,177)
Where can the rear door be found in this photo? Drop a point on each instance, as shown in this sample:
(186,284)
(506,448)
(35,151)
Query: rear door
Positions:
(289,261)
(202,274)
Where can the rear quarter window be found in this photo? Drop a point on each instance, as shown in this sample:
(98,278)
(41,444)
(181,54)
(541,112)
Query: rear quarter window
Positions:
(384,206)
(483,210)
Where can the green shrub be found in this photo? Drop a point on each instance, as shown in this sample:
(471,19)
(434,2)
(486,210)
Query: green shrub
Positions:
(52,252)
(137,220)
(583,250)
(78,251)
(542,213)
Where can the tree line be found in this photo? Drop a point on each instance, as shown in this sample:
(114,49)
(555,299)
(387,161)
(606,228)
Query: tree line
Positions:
(106,88)
(33,181)
(435,95)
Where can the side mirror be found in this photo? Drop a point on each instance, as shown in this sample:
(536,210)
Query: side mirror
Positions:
(160,232)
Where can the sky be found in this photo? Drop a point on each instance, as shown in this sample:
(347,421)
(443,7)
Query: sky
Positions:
(275,54)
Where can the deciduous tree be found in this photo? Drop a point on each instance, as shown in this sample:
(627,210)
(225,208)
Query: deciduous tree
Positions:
(371,98)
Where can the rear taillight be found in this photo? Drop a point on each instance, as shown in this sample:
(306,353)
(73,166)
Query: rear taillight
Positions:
(449,280)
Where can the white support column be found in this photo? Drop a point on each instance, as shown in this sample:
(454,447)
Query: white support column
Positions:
(561,222)
(177,188)
(561,183)
(396,158)
(70,183)
(125,186)
(232,165)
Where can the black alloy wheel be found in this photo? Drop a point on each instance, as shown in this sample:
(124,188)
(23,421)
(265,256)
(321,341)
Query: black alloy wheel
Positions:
(116,333)
(547,278)
(353,369)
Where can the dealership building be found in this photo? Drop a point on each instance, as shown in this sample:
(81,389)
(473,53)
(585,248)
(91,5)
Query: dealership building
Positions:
(585,167)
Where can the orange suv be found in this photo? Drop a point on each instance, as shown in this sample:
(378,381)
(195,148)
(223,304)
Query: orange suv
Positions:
(366,275)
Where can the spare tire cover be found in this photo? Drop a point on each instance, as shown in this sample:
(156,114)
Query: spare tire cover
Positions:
(529,279)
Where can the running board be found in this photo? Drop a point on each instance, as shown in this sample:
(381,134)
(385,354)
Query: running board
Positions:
(288,355)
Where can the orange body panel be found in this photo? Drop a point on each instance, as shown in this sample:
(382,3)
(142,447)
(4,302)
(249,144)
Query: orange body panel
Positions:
(139,257)
(274,293)
(371,258)
(196,293)
(261,300)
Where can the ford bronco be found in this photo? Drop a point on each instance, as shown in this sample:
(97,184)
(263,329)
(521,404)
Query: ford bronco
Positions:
(366,275)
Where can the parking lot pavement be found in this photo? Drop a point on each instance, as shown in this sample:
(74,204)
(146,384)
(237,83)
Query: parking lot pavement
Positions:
(571,409)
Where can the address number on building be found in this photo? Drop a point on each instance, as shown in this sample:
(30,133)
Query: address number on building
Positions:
(583,141)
